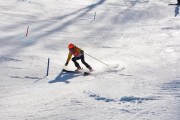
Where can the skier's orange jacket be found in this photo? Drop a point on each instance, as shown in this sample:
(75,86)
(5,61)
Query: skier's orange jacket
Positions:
(76,52)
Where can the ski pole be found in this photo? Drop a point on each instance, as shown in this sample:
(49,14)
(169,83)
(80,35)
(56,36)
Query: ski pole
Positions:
(97,59)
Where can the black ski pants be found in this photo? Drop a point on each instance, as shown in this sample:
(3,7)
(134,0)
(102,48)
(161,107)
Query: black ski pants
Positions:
(74,59)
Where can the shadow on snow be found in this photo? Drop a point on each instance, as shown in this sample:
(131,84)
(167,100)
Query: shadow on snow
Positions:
(176,11)
(65,77)
(59,26)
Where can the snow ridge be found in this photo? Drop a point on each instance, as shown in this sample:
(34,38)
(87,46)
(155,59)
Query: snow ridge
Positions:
(123,99)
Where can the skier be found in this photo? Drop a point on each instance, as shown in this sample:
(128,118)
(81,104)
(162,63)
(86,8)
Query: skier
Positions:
(78,54)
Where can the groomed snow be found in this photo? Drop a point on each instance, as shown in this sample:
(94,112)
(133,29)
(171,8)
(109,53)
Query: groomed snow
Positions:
(138,39)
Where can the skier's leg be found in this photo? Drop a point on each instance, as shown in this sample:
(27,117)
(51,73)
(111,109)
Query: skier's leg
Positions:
(76,63)
(87,65)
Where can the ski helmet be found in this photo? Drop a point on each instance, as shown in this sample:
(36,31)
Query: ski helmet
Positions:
(70,46)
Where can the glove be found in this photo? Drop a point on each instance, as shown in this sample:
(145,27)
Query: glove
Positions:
(82,52)
(66,63)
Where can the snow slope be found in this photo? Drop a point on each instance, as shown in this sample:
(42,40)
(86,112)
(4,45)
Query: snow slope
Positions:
(138,39)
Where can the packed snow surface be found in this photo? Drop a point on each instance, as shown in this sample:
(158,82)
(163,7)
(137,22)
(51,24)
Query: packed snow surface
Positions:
(132,45)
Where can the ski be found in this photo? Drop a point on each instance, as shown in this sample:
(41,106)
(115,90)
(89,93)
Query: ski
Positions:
(86,73)
(71,71)
(174,4)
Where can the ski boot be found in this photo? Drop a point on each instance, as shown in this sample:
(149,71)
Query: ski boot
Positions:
(90,69)
(78,69)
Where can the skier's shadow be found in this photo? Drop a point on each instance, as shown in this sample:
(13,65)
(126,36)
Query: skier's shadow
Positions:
(176,11)
(64,77)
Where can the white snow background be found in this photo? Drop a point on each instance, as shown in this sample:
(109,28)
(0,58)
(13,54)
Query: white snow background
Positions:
(138,39)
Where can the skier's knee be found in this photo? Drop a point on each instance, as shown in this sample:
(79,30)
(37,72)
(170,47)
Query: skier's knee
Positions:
(83,62)
(74,59)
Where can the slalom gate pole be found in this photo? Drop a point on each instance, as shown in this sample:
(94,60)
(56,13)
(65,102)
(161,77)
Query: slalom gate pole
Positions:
(96,59)
(27,31)
(48,67)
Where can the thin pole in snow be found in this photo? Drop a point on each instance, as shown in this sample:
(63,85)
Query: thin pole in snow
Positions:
(48,67)
(27,31)
(94,17)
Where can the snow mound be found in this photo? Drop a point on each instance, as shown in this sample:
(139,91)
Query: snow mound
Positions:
(136,99)
(99,98)
(131,99)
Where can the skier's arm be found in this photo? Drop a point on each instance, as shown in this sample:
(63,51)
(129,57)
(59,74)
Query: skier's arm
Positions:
(68,59)
(80,50)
